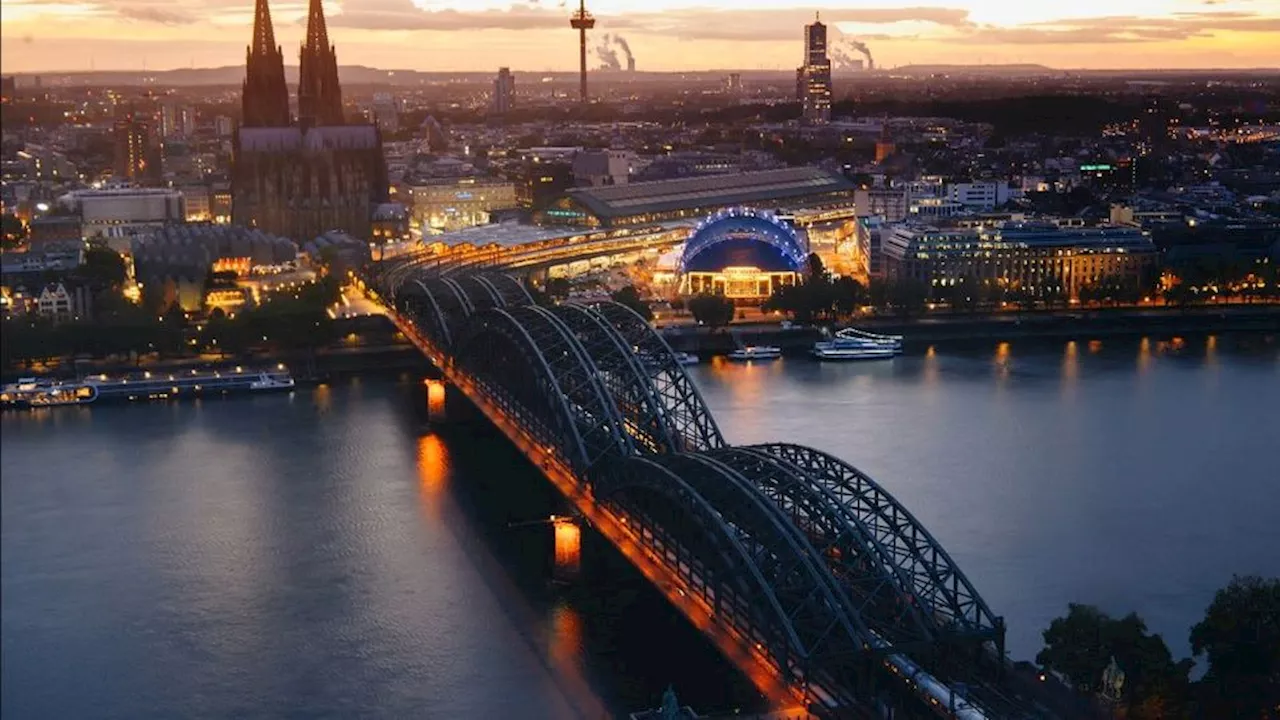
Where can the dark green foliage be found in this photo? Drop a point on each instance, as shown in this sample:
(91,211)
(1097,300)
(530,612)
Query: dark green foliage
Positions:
(1081,645)
(711,310)
(1240,636)
(630,297)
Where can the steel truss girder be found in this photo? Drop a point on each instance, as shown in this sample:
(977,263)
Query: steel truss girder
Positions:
(623,377)
(479,293)
(512,291)
(695,428)
(428,314)
(499,354)
(947,599)
(599,422)
(825,639)
(860,569)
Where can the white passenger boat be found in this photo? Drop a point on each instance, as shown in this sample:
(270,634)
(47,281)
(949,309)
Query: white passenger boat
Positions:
(841,350)
(685,358)
(870,340)
(756,352)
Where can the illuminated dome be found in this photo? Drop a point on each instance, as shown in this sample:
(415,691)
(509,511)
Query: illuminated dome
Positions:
(742,237)
(741,253)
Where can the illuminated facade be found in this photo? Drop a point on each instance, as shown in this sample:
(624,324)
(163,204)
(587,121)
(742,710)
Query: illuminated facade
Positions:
(814,77)
(457,203)
(1041,259)
(741,254)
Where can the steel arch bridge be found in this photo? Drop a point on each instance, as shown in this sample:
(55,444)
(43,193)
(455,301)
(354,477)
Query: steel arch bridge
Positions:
(812,568)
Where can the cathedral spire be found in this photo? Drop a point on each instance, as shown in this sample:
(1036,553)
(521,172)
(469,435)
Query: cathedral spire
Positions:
(264,37)
(265,102)
(319,95)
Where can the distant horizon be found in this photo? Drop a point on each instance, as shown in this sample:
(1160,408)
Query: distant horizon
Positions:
(641,71)
(57,36)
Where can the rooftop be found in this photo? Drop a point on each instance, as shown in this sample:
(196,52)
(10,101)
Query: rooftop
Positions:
(709,191)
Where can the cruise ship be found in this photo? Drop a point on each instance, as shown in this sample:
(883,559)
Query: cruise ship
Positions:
(37,392)
(852,344)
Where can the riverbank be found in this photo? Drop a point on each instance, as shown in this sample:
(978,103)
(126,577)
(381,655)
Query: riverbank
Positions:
(919,333)
(322,366)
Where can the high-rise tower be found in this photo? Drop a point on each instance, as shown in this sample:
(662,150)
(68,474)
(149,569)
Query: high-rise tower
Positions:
(814,77)
(319,95)
(265,102)
(582,21)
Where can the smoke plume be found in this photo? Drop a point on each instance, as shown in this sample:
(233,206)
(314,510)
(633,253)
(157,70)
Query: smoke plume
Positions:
(626,48)
(862,48)
(842,53)
(607,54)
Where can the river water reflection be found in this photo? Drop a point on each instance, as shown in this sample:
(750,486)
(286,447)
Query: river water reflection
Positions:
(329,554)
(1135,475)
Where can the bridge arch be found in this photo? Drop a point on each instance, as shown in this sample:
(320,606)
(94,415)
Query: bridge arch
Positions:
(859,567)
(623,377)
(534,336)
(948,600)
(780,598)
(688,414)
(426,311)
(511,290)
(479,292)
(503,358)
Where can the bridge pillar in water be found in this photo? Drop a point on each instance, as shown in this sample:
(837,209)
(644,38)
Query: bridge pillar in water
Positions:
(568,547)
(435,391)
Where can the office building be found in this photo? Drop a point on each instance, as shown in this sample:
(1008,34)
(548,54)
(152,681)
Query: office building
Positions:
(814,77)
(1040,259)
(504,91)
(135,160)
(595,168)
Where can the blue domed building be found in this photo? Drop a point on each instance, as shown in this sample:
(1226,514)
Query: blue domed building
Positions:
(743,254)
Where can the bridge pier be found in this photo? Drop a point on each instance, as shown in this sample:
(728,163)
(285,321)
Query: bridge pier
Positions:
(436,392)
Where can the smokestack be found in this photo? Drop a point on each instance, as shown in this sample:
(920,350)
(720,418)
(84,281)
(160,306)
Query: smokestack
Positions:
(626,49)
(866,52)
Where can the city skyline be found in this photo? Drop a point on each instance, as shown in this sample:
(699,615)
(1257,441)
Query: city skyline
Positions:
(665,35)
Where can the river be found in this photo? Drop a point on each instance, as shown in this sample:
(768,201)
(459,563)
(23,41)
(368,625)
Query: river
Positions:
(330,554)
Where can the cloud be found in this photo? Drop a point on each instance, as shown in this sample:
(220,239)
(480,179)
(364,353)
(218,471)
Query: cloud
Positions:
(770,25)
(1122,29)
(687,23)
(404,15)
(143,13)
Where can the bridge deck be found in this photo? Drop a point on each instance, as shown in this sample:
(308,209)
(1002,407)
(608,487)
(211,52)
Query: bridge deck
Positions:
(744,654)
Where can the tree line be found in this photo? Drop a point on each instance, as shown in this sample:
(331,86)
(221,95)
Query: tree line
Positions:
(1239,636)
(284,321)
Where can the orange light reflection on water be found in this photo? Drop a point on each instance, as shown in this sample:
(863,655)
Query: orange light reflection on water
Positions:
(433,469)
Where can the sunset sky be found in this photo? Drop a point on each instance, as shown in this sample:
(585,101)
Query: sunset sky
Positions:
(48,35)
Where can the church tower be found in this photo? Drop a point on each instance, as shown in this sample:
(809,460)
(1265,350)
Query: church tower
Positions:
(319,96)
(265,102)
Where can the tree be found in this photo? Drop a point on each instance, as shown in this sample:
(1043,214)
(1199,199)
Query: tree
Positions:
(1081,645)
(1240,635)
(103,268)
(711,310)
(630,297)
(558,288)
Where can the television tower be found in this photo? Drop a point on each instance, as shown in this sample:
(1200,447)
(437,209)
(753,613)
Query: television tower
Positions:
(582,21)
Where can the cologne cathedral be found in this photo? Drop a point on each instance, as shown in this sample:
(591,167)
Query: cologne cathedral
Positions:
(301,178)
